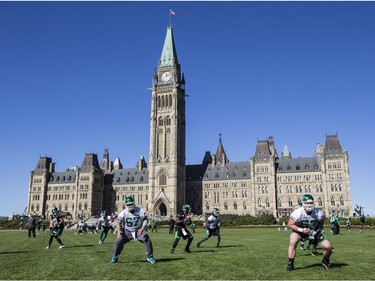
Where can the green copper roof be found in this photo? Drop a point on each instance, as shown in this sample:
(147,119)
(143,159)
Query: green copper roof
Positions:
(168,55)
(286,153)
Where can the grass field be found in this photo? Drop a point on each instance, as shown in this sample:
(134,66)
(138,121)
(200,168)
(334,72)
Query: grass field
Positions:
(245,254)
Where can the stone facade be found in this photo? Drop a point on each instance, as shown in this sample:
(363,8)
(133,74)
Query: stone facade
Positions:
(274,185)
(266,183)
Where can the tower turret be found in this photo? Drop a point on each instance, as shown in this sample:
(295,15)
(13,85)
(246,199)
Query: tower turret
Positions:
(167,175)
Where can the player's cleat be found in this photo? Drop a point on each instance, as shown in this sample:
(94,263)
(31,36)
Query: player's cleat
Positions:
(151,260)
(326,264)
(217,246)
(314,253)
(302,248)
(172,251)
(187,250)
(100,242)
(47,247)
(113,260)
(290,267)
(62,246)
(198,244)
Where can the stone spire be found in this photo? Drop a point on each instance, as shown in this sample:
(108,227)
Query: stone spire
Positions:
(220,153)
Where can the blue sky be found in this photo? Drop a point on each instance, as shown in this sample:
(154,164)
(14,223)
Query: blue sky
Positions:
(74,79)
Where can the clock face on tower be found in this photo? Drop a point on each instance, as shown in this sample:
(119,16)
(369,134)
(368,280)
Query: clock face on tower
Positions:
(166,76)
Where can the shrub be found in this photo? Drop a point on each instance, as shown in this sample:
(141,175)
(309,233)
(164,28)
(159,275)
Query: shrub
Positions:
(236,220)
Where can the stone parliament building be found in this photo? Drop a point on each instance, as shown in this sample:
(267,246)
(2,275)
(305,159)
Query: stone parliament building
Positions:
(266,183)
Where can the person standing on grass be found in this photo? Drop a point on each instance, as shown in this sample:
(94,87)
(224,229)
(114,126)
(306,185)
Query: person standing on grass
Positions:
(307,221)
(213,227)
(44,224)
(31,224)
(171,224)
(337,223)
(349,225)
(39,223)
(56,227)
(131,224)
(182,220)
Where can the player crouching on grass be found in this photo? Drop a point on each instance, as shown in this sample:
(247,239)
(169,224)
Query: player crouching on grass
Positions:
(131,224)
(307,221)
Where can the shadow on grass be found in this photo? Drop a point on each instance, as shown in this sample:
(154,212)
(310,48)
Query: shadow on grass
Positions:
(161,260)
(230,246)
(15,252)
(203,250)
(333,266)
(80,246)
(309,254)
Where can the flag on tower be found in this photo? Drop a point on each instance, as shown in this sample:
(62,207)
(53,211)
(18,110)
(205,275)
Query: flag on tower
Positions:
(172,13)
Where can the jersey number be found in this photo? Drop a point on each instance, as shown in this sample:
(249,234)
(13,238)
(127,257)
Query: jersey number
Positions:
(131,221)
(309,224)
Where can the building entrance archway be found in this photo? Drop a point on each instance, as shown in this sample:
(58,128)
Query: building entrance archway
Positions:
(162,209)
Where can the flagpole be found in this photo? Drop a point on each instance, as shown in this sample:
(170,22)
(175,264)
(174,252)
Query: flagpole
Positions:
(169,17)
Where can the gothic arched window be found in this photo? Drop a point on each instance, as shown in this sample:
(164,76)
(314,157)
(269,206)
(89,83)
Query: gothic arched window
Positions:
(333,201)
(162,179)
(320,202)
(342,201)
(279,202)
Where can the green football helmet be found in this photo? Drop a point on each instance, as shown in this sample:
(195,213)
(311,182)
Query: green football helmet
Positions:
(186,208)
(215,212)
(129,202)
(54,210)
(308,202)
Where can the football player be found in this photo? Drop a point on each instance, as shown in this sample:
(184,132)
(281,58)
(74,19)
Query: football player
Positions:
(213,227)
(154,226)
(56,227)
(182,220)
(361,214)
(131,224)
(332,222)
(349,224)
(104,225)
(307,221)
(81,226)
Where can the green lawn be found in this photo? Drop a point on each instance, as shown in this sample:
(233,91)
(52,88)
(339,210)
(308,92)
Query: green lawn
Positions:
(246,254)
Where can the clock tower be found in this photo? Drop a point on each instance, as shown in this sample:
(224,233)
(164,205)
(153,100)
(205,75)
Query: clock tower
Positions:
(167,176)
